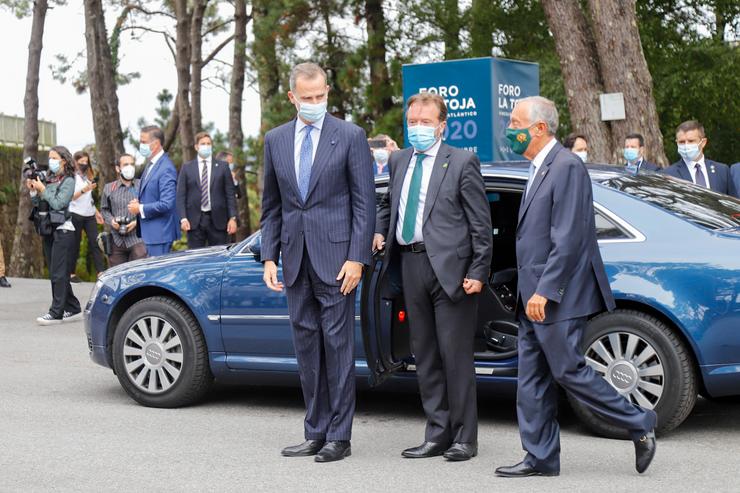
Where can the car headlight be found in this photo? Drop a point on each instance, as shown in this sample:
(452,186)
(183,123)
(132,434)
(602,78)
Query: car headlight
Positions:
(94,293)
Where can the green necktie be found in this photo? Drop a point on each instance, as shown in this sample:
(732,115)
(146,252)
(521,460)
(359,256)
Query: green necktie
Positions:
(412,201)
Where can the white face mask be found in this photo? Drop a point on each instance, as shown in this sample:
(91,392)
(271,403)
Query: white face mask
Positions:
(128,172)
(381,155)
(582,154)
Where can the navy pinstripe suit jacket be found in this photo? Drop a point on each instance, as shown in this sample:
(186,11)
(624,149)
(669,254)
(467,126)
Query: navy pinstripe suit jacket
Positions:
(337,220)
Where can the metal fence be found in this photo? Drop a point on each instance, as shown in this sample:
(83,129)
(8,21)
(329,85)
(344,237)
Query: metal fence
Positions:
(11,132)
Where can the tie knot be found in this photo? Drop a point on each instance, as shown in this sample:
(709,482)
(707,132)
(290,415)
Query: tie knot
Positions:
(308,128)
(697,166)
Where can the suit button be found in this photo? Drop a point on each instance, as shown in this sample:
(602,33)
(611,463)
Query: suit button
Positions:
(561,291)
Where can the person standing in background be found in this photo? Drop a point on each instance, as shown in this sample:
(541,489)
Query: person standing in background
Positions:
(156,221)
(578,145)
(634,154)
(3,280)
(381,146)
(735,175)
(85,216)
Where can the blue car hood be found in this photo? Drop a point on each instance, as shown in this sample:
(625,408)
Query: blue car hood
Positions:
(167,261)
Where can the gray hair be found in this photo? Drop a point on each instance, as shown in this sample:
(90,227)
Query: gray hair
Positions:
(542,109)
(306,70)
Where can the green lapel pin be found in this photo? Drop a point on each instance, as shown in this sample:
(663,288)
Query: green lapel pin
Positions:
(445,165)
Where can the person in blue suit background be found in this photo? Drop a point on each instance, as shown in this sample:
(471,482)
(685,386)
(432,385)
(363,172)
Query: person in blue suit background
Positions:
(318,214)
(693,166)
(561,283)
(157,222)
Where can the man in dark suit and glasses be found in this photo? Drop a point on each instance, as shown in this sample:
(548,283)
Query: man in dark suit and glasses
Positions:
(693,165)
(437,216)
(205,197)
(561,283)
(318,212)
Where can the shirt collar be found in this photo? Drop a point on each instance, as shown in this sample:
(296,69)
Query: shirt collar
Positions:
(154,159)
(432,151)
(692,164)
(300,125)
(540,157)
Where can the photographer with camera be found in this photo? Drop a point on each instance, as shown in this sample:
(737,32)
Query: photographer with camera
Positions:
(85,215)
(126,246)
(51,192)
(381,146)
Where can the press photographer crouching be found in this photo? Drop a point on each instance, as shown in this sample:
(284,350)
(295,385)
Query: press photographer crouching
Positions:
(125,245)
(51,192)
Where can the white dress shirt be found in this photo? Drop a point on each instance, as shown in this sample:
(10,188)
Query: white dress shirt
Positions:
(154,160)
(84,205)
(209,164)
(427,166)
(300,135)
(539,159)
(692,169)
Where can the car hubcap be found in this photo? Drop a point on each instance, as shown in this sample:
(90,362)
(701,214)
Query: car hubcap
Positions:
(631,365)
(153,355)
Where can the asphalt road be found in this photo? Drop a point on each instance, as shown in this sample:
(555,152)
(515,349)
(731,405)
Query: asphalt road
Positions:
(66,425)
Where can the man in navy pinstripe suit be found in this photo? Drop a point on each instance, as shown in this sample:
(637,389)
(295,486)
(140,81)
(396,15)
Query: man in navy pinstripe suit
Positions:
(318,210)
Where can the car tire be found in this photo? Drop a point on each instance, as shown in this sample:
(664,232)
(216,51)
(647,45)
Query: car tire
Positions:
(160,354)
(670,369)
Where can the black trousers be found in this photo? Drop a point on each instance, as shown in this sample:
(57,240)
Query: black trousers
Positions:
(56,252)
(442,335)
(90,226)
(206,233)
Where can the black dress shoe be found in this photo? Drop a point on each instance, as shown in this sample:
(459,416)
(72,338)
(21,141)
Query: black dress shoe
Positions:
(645,451)
(461,451)
(309,447)
(426,449)
(521,470)
(74,279)
(334,450)
(4,282)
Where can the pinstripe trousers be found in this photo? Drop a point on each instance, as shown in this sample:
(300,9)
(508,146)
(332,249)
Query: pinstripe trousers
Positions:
(323,335)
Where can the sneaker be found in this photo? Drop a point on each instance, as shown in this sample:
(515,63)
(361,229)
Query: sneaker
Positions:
(48,319)
(4,282)
(71,317)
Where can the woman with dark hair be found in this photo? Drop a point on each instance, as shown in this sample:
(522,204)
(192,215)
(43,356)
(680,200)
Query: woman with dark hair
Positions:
(51,203)
(84,214)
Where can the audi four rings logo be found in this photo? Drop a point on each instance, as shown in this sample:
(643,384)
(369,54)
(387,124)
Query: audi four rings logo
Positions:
(621,376)
(153,353)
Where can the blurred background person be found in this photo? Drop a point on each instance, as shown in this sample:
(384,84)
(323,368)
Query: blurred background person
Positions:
(735,175)
(85,215)
(228,157)
(381,146)
(634,154)
(53,196)
(157,222)
(578,144)
(693,166)
(3,280)
(206,202)
(114,208)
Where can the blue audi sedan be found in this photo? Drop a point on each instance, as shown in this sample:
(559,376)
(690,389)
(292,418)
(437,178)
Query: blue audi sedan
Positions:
(169,326)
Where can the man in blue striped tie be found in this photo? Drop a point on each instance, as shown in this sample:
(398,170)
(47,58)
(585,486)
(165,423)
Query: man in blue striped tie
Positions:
(318,212)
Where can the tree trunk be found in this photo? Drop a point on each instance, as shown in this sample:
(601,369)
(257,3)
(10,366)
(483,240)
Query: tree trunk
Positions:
(380,100)
(182,62)
(26,258)
(196,63)
(236,134)
(618,40)
(103,91)
(170,132)
(580,67)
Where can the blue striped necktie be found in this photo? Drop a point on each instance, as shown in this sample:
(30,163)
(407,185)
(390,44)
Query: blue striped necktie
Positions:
(204,203)
(305,162)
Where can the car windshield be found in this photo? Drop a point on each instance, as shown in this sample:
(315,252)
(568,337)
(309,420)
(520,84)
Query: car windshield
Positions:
(699,205)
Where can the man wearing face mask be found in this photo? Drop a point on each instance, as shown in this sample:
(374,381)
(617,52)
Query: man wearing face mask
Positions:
(634,154)
(693,166)
(318,212)
(561,282)
(114,208)
(381,146)
(205,197)
(436,218)
(157,222)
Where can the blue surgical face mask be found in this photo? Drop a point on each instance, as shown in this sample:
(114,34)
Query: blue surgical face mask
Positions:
(54,165)
(145,150)
(381,155)
(690,152)
(631,154)
(422,137)
(312,112)
(231,166)
(204,151)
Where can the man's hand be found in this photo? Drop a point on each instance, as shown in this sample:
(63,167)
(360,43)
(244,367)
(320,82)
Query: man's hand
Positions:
(351,273)
(536,308)
(130,226)
(270,277)
(184,224)
(231,227)
(114,224)
(99,217)
(134,207)
(471,286)
(378,242)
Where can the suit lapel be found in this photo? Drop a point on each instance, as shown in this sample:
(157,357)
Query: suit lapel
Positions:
(712,174)
(683,170)
(541,173)
(149,175)
(399,173)
(286,152)
(439,170)
(327,143)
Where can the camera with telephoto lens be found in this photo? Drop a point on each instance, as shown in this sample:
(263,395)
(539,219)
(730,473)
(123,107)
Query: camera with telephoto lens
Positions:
(123,222)
(33,170)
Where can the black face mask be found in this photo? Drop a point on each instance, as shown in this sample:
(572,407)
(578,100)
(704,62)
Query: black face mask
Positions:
(83,167)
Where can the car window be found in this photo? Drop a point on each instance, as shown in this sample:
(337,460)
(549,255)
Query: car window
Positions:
(606,229)
(696,204)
